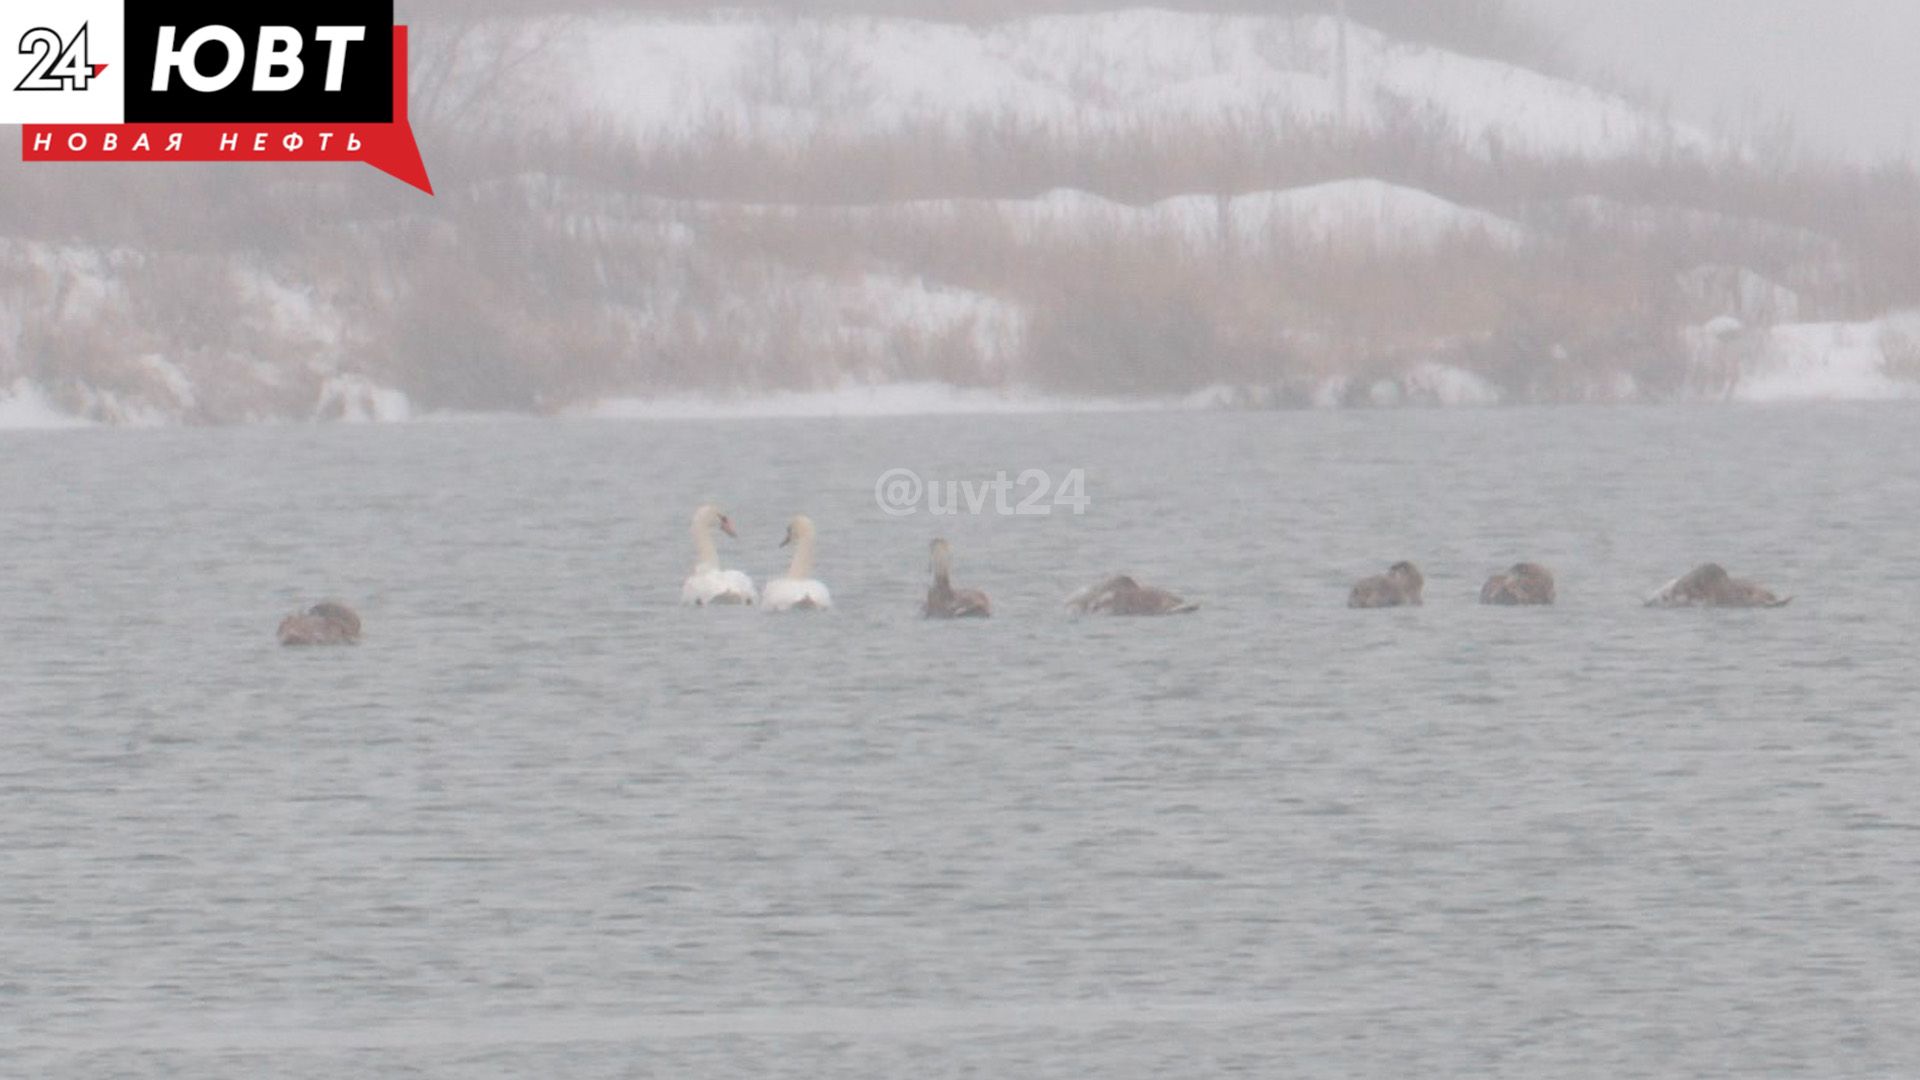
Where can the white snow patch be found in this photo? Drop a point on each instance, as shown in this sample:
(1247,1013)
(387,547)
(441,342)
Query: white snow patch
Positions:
(81,280)
(171,377)
(356,399)
(787,81)
(1224,396)
(878,306)
(1374,212)
(25,407)
(894,399)
(294,312)
(1741,293)
(1443,384)
(1867,361)
(1363,211)
(1332,392)
(1722,327)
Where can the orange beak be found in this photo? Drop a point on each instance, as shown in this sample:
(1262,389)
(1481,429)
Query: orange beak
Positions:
(726,526)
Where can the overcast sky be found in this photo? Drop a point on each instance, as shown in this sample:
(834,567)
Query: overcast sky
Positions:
(1847,71)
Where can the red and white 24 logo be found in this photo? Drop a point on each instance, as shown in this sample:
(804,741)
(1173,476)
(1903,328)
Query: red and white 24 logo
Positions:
(57,64)
(62,61)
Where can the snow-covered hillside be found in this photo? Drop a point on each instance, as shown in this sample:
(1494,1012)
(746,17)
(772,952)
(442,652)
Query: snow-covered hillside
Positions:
(759,213)
(791,80)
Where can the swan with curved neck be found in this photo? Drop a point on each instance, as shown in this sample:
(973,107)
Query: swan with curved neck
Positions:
(798,590)
(708,584)
(943,600)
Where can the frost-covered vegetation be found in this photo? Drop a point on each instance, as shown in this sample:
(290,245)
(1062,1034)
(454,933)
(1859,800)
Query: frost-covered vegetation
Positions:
(1229,203)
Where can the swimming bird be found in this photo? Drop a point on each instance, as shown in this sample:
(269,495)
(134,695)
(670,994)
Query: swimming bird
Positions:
(1710,586)
(1121,595)
(797,591)
(708,584)
(328,623)
(1522,585)
(946,602)
(1400,586)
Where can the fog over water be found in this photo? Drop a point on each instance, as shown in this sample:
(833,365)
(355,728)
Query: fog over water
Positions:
(1287,299)
(1841,70)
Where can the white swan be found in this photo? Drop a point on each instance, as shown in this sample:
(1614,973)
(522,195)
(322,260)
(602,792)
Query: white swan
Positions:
(709,584)
(798,591)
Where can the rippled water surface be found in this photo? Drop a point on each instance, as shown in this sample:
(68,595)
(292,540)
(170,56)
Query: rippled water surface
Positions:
(545,822)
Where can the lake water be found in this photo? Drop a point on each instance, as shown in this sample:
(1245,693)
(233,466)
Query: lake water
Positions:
(546,822)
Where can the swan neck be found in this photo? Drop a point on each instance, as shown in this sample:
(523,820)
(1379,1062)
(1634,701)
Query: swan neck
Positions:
(801,568)
(942,570)
(706,555)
